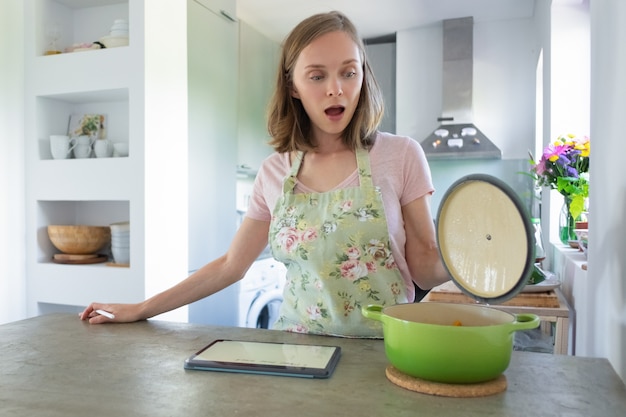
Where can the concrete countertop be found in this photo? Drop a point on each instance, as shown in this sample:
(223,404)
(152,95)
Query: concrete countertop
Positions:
(57,365)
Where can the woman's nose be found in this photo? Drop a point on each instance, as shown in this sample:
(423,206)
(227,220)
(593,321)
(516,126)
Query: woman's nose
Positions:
(334,88)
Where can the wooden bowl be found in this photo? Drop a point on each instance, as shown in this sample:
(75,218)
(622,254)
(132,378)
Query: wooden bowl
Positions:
(79,239)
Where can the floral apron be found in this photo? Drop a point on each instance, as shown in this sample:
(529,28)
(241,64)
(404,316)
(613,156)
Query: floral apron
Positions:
(338,256)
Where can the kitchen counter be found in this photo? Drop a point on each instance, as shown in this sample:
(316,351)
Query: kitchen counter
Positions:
(57,365)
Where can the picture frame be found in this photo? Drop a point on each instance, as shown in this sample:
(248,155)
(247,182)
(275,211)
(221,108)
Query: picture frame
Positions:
(90,124)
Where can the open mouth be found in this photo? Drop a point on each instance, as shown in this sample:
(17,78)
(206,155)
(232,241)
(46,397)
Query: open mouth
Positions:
(335,111)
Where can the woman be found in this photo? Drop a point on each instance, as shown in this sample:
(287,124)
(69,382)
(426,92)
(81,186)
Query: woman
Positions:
(345,207)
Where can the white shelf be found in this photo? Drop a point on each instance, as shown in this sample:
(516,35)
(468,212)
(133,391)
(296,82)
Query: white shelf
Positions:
(89,191)
(151,187)
(86,179)
(92,213)
(51,283)
(52,114)
(78,21)
(80,72)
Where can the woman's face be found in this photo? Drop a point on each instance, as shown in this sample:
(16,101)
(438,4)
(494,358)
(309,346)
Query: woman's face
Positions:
(327,79)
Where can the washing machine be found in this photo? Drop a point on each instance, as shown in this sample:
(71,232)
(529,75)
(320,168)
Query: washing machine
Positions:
(261,293)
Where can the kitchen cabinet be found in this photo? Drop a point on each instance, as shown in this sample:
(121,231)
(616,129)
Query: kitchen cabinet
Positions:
(570,266)
(212,84)
(258,63)
(143,90)
(212,80)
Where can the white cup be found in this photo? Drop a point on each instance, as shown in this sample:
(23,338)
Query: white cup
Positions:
(83,147)
(120,149)
(103,148)
(61,146)
(121,255)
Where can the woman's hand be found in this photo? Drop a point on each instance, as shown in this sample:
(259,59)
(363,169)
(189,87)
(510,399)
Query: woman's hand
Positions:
(96,313)
(249,241)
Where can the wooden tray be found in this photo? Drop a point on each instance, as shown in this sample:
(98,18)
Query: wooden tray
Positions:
(450,293)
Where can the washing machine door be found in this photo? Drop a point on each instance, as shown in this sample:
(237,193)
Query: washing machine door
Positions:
(264,309)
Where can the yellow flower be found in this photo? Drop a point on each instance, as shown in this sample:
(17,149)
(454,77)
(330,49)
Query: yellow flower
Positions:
(583,147)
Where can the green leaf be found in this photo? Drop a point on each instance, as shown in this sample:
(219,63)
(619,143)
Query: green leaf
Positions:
(577,206)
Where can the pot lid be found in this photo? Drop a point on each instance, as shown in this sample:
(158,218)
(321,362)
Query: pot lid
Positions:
(485,238)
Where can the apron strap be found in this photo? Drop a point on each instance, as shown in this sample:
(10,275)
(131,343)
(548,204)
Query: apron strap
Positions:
(290,182)
(363,168)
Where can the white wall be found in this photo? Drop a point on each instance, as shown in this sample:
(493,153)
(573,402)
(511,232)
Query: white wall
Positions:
(505,58)
(567,86)
(12,264)
(607,223)
(165,203)
(587,89)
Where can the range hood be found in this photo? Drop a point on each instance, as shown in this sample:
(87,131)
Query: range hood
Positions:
(457,137)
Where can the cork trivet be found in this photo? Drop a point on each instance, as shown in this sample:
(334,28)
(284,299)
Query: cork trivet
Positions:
(450,293)
(480,389)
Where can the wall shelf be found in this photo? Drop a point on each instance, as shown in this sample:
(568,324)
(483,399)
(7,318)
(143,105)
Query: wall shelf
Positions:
(171,137)
(92,191)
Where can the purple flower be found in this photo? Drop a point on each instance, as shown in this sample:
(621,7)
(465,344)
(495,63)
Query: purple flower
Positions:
(563,166)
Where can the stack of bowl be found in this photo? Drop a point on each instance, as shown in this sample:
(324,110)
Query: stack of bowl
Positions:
(118,35)
(120,242)
(119,28)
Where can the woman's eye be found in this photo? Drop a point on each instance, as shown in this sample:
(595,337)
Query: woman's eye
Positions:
(350,74)
(316,77)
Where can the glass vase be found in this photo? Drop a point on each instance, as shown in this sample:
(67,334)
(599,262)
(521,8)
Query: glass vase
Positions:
(567,224)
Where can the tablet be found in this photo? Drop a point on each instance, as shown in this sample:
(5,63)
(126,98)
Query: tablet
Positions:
(305,361)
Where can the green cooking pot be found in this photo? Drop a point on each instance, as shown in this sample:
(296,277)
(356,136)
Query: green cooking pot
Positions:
(450,343)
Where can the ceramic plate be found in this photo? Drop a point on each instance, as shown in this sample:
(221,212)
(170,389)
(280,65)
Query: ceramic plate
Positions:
(543,286)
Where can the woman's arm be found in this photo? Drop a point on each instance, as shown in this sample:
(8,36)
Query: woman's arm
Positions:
(249,241)
(422,254)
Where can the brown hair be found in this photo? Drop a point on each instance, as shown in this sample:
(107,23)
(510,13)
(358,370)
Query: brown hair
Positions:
(288,124)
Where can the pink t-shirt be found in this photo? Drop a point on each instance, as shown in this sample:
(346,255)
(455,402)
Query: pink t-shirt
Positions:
(399,169)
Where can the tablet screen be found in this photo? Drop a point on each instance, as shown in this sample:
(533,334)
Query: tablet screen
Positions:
(265,357)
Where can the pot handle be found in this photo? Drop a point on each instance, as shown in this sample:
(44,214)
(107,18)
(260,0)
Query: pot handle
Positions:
(525,322)
(373,311)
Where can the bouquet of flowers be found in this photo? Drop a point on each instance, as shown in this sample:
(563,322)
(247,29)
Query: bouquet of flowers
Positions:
(564,166)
